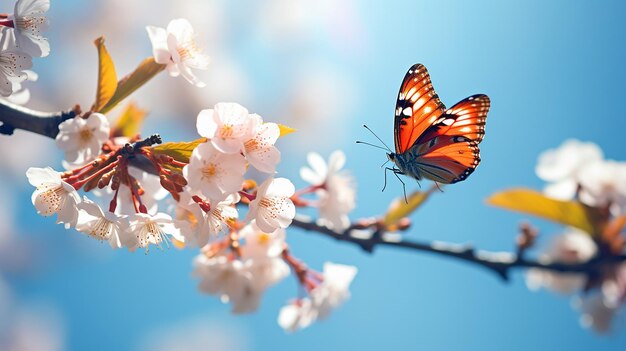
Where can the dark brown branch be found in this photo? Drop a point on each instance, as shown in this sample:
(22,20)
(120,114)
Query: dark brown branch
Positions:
(498,262)
(14,117)
(44,123)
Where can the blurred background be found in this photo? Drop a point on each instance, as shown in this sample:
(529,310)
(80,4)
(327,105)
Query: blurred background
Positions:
(554,70)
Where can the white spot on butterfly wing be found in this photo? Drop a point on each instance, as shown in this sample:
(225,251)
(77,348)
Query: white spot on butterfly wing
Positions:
(407,111)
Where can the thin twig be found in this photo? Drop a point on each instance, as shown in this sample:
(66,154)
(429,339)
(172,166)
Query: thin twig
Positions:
(498,262)
(14,117)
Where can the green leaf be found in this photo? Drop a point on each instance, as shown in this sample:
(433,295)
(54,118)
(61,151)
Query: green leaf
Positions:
(284,130)
(142,74)
(402,207)
(180,151)
(570,213)
(130,121)
(107,78)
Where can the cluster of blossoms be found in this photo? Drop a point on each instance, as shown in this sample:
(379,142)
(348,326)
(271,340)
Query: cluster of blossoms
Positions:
(130,178)
(20,41)
(578,170)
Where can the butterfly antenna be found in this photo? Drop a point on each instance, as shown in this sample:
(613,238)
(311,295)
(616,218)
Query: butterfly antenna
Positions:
(376,146)
(379,139)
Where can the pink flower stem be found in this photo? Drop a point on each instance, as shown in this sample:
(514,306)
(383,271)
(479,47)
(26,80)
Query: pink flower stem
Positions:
(250,197)
(7,23)
(79,184)
(309,190)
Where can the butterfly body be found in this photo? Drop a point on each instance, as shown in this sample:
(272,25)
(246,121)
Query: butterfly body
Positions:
(431,141)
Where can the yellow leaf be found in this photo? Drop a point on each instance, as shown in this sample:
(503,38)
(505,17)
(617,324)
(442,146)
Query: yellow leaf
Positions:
(129,122)
(142,74)
(180,151)
(402,207)
(570,213)
(107,78)
(284,130)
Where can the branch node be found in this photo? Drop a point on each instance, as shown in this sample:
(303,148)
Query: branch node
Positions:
(7,129)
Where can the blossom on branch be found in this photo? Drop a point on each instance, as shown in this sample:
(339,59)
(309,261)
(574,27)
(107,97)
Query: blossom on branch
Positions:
(578,170)
(81,139)
(230,279)
(272,208)
(21,95)
(101,225)
(213,173)
(329,294)
(176,48)
(259,146)
(29,22)
(572,246)
(264,250)
(335,188)
(148,230)
(12,66)
(242,280)
(53,195)
(227,126)
(215,218)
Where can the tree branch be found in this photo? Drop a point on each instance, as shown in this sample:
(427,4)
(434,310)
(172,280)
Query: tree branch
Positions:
(498,262)
(14,117)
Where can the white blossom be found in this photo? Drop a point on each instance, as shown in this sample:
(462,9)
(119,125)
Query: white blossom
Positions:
(604,183)
(571,247)
(272,208)
(614,287)
(213,173)
(53,195)
(176,48)
(264,250)
(561,167)
(337,193)
(30,21)
(242,281)
(21,95)
(12,66)
(200,225)
(259,146)
(81,139)
(230,279)
(595,313)
(297,315)
(101,225)
(227,126)
(334,289)
(189,220)
(147,229)
(331,293)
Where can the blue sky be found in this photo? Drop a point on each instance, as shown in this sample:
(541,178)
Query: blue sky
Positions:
(553,70)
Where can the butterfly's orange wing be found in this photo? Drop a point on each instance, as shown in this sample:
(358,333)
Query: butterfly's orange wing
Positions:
(418,107)
(466,118)
(448,159)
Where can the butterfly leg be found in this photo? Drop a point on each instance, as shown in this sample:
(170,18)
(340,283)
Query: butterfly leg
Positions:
(385,184)
(396,172)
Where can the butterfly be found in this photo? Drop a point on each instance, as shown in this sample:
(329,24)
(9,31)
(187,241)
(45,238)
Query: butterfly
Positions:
(431,141)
